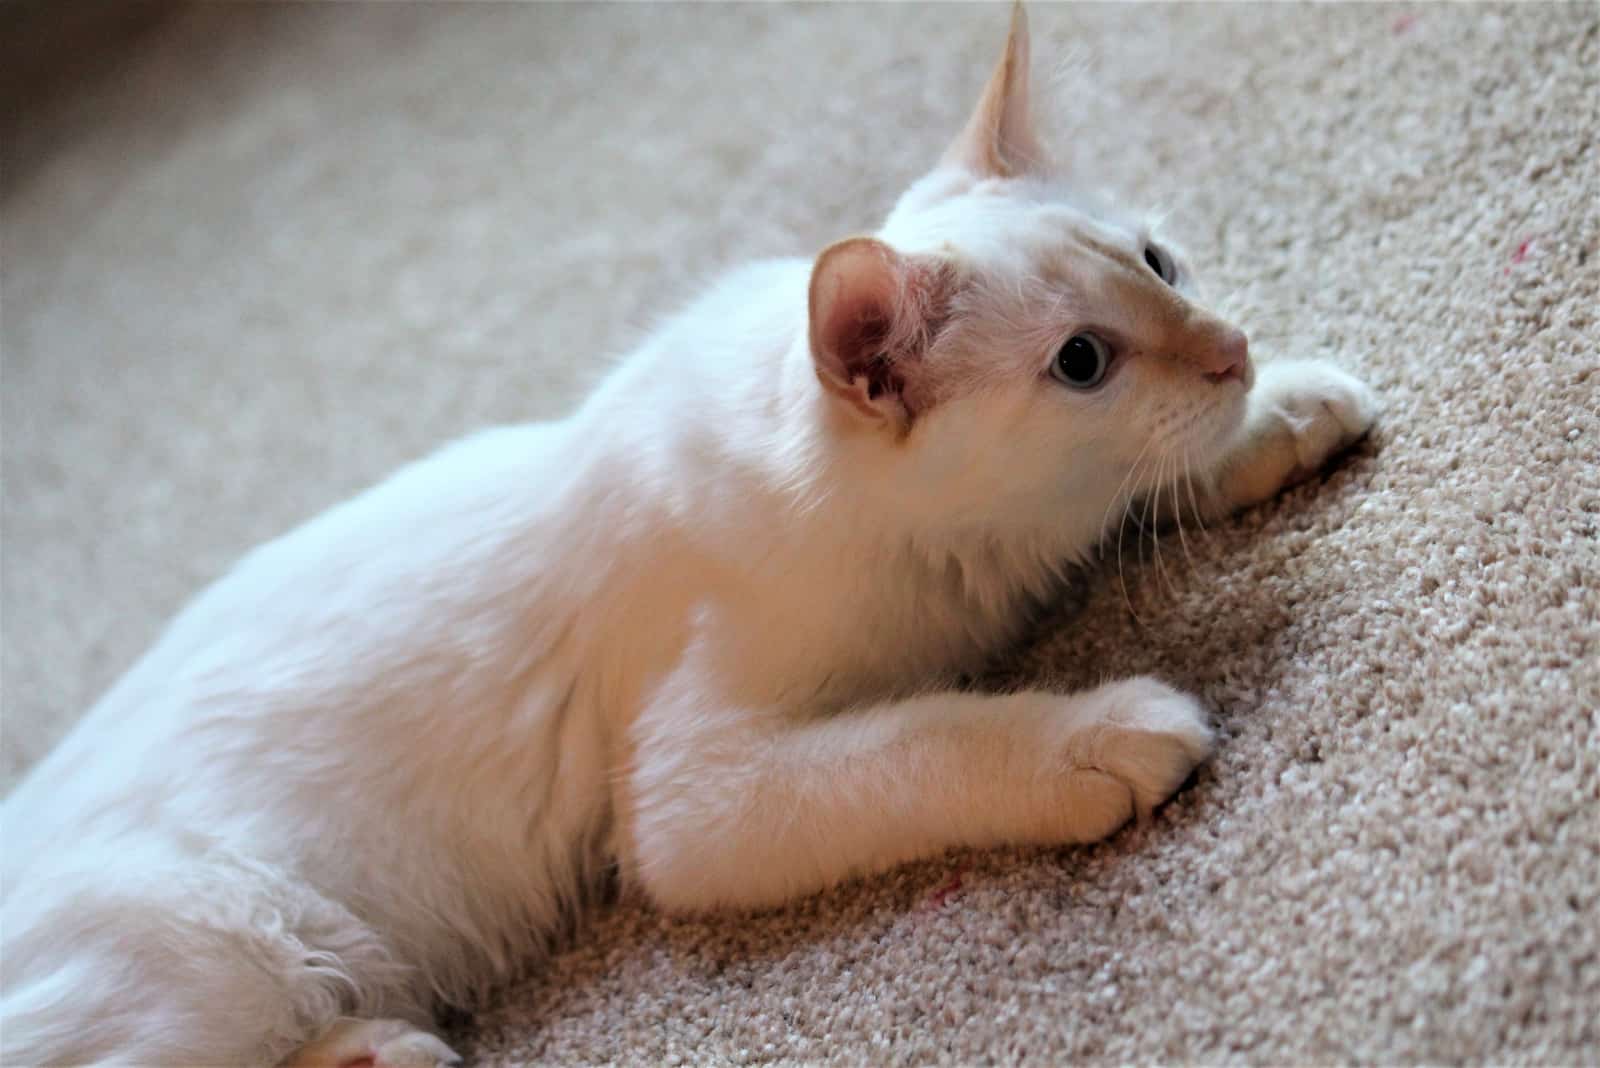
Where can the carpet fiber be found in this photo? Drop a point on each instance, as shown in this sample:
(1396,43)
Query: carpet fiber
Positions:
(263,255)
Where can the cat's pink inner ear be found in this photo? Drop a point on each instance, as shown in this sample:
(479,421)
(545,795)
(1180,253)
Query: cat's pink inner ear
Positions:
(999,139)
(863,330)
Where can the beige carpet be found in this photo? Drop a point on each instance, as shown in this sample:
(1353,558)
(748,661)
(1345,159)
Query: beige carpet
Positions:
(255,258)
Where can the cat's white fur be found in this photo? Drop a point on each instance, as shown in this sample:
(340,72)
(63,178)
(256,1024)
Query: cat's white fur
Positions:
(703,629)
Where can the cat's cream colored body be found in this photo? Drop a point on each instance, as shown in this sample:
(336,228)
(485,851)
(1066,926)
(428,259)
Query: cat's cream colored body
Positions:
(702,628)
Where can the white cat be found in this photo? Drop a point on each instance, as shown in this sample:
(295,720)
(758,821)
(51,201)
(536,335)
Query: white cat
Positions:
(702,629)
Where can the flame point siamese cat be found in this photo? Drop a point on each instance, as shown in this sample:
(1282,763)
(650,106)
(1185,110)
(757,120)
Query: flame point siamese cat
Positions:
(703,629)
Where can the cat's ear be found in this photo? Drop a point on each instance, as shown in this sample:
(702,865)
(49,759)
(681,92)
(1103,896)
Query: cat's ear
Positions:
(874,313)
(999,140)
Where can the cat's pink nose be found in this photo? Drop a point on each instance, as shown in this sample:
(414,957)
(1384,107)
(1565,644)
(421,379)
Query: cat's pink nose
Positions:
(1230,358)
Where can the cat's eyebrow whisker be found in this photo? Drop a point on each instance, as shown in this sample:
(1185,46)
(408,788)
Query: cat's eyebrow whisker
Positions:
(1023,281)
(1055,316)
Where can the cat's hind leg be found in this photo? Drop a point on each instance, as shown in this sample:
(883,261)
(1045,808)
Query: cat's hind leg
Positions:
(144,952)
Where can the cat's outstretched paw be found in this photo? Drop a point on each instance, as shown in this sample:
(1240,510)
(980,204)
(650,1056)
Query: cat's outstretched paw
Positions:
(1140,744)
(353,1043)
(1302,414)
(1323,408)
(1151,738)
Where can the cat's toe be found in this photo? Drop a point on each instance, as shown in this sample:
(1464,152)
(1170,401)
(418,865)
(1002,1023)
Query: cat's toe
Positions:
(1354,404)
(1326,409)
(1345,409)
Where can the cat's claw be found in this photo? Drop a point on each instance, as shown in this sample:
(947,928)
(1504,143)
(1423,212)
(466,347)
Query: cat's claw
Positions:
(352,1043)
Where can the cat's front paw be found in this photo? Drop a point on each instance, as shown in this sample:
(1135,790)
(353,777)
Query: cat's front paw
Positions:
(1151,738)
(1139,744)
(1324,409)
(1302,413)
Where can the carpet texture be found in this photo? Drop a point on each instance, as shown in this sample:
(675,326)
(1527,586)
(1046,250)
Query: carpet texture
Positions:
(261,256)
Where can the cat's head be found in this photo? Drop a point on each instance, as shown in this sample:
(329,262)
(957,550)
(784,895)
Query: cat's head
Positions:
(1007,342)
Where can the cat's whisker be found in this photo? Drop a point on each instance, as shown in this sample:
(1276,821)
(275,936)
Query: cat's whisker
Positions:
(1116,496)
(1154,503)
(1127,506)
(1177,511)
(1155,526)
(1144,524)
(1194,502)
(1126,501)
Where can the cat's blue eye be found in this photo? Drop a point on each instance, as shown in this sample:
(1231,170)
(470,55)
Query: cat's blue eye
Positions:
(1082,362)
(1161,263)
